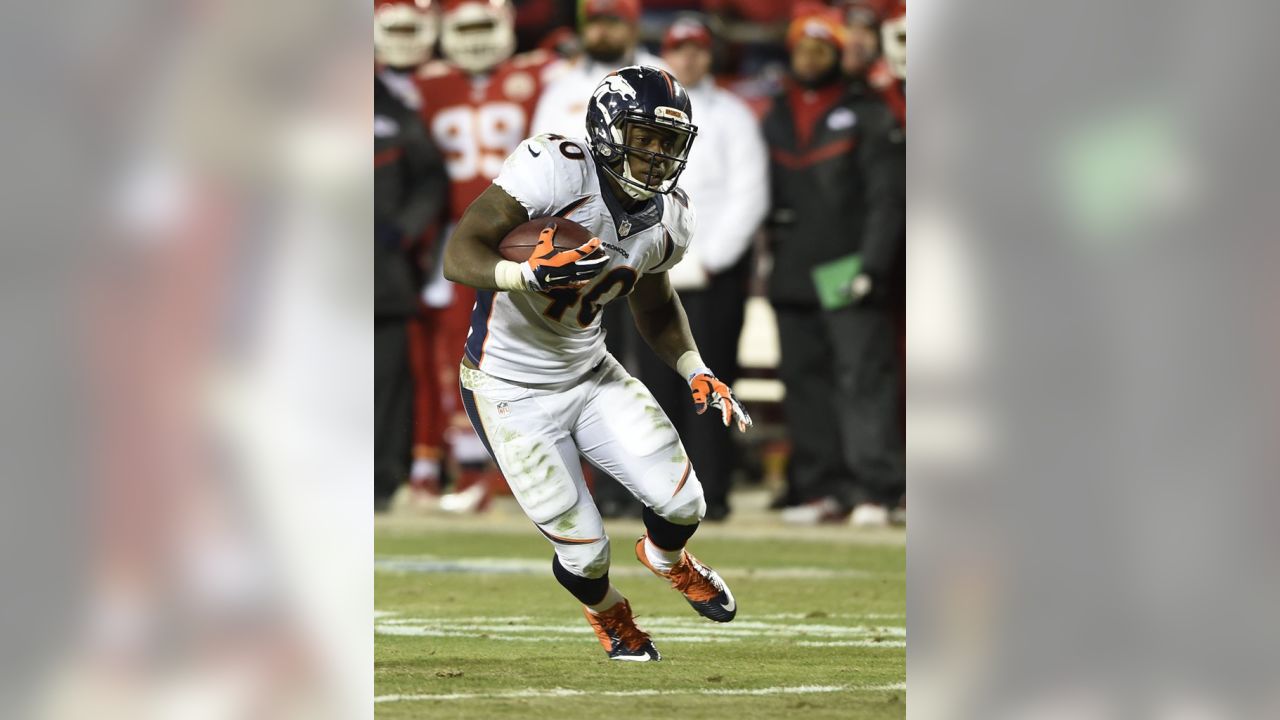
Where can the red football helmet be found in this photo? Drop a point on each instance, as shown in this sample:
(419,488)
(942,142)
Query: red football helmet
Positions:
(476,35)
(893,39)
(404,32)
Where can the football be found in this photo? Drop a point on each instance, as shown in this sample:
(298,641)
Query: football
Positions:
(518,245)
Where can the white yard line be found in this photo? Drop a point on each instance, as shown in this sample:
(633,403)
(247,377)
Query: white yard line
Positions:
(823,616)
(751,522)
(753,627)
(435,632)
(569,692)
(752,617)
(525,566)
(747,628)
(853,643)
(675,630)
(495,620)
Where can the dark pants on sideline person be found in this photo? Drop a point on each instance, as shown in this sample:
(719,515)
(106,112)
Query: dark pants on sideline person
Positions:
(392,407)
(841,404)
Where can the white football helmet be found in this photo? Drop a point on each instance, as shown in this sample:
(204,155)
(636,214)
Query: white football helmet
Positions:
(404,32)
(893,39)
(476,35)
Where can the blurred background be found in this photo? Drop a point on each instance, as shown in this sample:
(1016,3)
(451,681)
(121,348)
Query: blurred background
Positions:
(189,417)
(794,287)
(802,93)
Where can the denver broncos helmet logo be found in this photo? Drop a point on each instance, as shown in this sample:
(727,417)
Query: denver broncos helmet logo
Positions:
(613,84)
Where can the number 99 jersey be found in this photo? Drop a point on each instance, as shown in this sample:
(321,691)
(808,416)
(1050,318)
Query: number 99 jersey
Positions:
(478,120)
(555,336)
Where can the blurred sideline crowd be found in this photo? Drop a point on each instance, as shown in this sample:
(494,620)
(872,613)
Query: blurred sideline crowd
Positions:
(797,176)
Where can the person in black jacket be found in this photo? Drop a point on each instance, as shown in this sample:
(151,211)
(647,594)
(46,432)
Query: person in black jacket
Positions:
(409,193)
(837,166)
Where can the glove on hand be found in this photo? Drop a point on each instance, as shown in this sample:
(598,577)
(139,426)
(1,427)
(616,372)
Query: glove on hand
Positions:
(708,390)
(548,268)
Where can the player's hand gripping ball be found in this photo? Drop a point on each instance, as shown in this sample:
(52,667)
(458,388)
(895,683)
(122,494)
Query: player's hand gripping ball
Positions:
(554,253)
(710,391)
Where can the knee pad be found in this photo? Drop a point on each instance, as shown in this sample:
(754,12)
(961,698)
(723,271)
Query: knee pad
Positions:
(589,560)
(686,507)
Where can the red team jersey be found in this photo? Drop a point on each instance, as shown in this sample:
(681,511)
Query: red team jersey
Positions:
(477,121)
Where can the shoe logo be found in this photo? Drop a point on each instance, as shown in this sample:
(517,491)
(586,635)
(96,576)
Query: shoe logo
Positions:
(531,152)
(733,604)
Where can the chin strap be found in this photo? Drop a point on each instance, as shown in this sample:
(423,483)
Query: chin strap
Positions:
(630,189)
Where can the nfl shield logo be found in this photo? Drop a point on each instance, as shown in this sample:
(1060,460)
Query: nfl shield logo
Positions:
(503,410)
(625,228)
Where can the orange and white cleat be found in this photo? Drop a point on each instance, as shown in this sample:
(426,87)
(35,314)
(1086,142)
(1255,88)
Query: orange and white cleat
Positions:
(703,587)
(620,636)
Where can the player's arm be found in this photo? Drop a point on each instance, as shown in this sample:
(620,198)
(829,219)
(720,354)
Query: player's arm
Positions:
(662,323)
(471,256)
(661,319)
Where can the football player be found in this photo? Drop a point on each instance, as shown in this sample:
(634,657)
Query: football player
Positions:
(610,33)
(476,105)
(536,380)
(403,33)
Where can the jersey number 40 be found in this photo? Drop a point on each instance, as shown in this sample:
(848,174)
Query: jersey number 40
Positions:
(590,301)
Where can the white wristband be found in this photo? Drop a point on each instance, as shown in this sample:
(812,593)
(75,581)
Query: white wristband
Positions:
(507,275)
(690,364)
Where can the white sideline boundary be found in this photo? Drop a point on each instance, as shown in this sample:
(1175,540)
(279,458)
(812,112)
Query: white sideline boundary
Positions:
(570,692)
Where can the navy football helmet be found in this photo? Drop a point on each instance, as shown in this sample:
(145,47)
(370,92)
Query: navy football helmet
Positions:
(653,103)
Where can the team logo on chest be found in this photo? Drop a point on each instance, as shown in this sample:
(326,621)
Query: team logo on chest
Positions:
(624,229)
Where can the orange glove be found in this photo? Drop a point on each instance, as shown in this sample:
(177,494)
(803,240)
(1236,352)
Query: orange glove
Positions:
(710,390)
(550,268)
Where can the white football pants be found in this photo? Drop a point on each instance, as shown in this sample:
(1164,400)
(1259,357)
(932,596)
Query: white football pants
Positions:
(535,434)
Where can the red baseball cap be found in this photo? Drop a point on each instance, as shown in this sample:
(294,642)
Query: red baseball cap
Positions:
(686,30)
(628,10)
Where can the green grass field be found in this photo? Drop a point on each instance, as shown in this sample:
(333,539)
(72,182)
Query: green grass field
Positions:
(470,623)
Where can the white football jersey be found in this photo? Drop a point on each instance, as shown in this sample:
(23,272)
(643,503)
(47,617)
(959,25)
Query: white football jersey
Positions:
(556,336)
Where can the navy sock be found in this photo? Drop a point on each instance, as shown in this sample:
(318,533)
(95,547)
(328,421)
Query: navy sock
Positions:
(589,591)
(666,534)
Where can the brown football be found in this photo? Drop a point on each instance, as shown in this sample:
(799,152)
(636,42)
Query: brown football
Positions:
(518,245)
